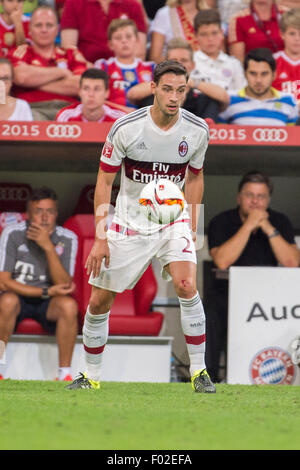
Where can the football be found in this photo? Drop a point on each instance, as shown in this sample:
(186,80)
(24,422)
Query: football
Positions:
(161,201)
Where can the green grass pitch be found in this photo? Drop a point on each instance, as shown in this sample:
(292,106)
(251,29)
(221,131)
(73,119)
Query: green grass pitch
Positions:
(140,416)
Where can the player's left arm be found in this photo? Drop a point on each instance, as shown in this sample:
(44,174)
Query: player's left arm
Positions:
(194,188)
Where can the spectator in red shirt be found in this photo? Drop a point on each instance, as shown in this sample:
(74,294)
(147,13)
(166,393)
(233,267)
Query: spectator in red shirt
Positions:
(84,23)
(14,26)
(93,93)
(255,27)
(45,75)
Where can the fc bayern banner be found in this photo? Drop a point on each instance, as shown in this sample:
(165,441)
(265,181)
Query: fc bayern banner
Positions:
(263,321)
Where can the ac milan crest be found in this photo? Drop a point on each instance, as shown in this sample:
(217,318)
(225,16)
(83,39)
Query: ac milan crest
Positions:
(183,148)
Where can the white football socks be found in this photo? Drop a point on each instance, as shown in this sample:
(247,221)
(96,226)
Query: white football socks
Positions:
(193,327)
(95,334)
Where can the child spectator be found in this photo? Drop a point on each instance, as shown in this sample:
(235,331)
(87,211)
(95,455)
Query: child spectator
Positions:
(93,93)
(287,77)
(212,65)
(14,26)
(125,70)
(11,109)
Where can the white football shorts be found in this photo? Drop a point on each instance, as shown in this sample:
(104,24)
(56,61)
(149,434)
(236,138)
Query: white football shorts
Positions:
(130,255)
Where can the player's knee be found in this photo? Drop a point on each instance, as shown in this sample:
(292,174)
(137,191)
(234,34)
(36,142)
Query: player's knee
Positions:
(100,301)
(9,304)
(185,288)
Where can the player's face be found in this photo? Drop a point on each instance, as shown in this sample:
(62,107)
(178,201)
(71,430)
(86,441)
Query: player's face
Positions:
(291,39)
(43,212)
(210,37)
(124,42)
(253,196)
(43,27)
(169,93)
(12,5)
(6,77)
(183,56)
(260,77)
(93,93)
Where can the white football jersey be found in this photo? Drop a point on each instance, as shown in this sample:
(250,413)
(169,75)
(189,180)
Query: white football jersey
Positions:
(145,152)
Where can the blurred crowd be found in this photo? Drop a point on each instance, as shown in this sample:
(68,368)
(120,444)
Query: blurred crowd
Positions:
(93,60)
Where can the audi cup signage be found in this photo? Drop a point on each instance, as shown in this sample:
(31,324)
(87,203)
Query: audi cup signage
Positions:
(65,131)
(263,320)
(94,132)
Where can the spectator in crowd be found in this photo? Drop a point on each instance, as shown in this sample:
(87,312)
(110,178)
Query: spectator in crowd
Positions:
(11,109)
(124,69)
(255,27)
(212,65)
(260,104)
(93,93)
(175,19)
(14,25)
(228,8)
(37,260)
(204,101)
(85,24)
(287,77)
(252,234)
(45,75)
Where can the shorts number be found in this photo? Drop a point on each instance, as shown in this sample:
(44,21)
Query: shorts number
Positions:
(186,248)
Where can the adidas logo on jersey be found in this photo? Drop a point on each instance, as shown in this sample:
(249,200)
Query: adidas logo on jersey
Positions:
(116,75)
(141,146)
(283,75)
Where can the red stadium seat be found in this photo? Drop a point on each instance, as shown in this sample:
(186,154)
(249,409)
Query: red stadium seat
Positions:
(29,326)
(13,196)
(131,313)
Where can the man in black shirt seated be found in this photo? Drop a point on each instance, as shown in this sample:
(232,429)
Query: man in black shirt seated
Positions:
(252,234)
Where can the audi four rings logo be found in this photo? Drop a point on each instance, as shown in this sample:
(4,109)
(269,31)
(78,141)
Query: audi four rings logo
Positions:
(67,131)
(270,135)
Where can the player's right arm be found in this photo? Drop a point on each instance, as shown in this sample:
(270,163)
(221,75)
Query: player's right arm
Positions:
(100,249)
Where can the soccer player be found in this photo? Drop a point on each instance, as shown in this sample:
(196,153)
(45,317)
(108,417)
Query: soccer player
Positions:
(162,140)
(93,91)
(287,77)
(125,69)
(14,26)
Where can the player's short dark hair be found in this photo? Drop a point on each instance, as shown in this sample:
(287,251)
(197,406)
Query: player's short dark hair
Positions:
(169,66)
(207,17)
(256,177)
(41,193)
(260,54)
(95,74)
